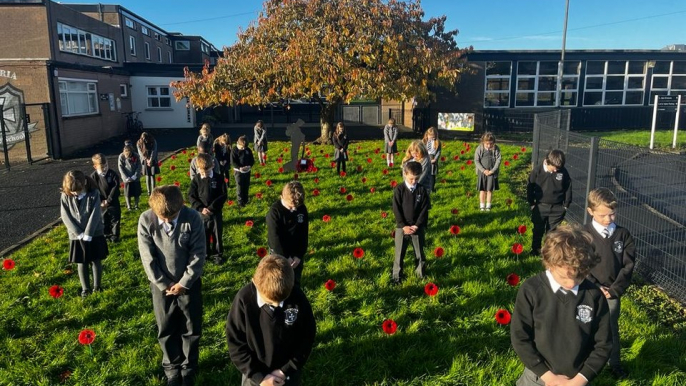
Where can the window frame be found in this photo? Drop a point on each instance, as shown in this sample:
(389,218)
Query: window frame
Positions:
(537,77)
(158,96)
(132,45)
(146,45)
(84,43)
(605,88)
(130,23)
(669,90)
(91,96)
(177,42)
(500,77)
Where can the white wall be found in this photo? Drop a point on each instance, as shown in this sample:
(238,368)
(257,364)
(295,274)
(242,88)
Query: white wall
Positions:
(173,117)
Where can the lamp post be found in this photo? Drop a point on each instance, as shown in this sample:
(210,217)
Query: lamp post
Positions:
(560,65)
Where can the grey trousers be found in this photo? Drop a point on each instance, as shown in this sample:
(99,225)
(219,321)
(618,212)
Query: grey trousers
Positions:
(615,305)
(528,378)
(179,322)
(294,379)
(401,243)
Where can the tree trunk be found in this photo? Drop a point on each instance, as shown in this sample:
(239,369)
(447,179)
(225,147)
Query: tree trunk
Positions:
(326,121)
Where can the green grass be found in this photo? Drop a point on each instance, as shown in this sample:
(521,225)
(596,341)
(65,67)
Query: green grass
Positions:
(449,339)
(641,137)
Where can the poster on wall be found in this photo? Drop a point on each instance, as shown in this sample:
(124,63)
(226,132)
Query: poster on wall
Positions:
(456,121)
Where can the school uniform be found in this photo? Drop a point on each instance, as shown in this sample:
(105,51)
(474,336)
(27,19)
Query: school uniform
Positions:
(423,179)
(130,172)
(175,254)
(390,133)
(617,252)
(340,144)
(148,153)
(263,338)
(108,186)
(260,137)
(288,234)
(240,158)
(210,193)
(550,194)
(222,156)
(434,151)
(487,160)
(193,168)
(565,332)
(410,207)
(205,141)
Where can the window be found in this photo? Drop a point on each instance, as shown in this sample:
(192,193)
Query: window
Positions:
(157,36)
(537,83)
(147,50)
(144,30)
(182,45)
(78,97)
(158,97)
(669,78)
(614,82)
(132,45)
(169,54)
(123,90)
(159,54)
(497,93)
(129,23)
(76,41)
(167,41)
(205,48)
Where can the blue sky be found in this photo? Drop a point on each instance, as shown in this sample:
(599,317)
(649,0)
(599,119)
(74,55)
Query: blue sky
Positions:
(484,24)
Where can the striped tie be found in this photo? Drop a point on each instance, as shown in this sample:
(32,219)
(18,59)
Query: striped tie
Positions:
(606,233)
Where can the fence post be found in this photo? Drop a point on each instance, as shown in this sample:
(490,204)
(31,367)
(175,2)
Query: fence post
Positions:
(592,167)
(27,137)
(536,142)
(567,125)
(4,137)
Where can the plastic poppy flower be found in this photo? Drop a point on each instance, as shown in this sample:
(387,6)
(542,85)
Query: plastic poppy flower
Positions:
(86,336)
(439,252)
(173,167)
(515,157)
(517,248)
(330,285)
(523,150)
(521,229)
(390,164)
(296,176)
(190,160)
(372,190)
(393,234)
(443,181)
(229,203)
(342,174)
(249,223)
(258,175)
(349,197)
(512,279)
(454,229)
(326,218)
(503,316)
(394,184)
(184,152)
(315,192)
(364,180)
(389,326)
(258,195)
(342,190)
(456,158)
(316,180)
(268,183)
(385,172)
(469,162)
(159,163)
(280,170)
(383,156)
(279,160)
(261,252)
(333,164)
(192,154)
(173,157)
(508,202)
(359,168)
(159,178)
(443,159)
(384,214)
(326,155)
(369,160)
(507,163)
(455,211)
(462,167)
(177,183)
(56,291)
(431,289)
(377,150)
(358,253)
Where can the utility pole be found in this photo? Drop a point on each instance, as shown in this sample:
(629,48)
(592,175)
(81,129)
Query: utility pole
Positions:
(560,65)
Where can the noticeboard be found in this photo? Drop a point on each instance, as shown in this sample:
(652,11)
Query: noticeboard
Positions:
(667,102)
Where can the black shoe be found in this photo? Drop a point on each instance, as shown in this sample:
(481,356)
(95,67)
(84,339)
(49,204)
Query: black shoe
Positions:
(114,239)
(97,289)
(218,259)
(188,380)
(174,381)
(85,293)
(618,372)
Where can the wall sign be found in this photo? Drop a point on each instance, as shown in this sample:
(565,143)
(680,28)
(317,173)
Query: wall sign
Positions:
(8,74)
(12,99)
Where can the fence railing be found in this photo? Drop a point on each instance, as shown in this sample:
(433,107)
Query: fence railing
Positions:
(650,187)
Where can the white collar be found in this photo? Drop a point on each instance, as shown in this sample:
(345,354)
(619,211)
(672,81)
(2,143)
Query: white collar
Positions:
(411,187)
(556,286)
(599,228)
(164,225)
(81,195)
(209,175)
(261,302)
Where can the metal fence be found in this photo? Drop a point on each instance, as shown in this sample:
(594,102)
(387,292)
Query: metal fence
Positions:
(650,187)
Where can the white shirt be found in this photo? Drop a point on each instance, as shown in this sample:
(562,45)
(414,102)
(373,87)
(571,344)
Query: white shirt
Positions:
(411,187)
(210,175)
(556,286)
(599,228)
(261,302)
(167,226)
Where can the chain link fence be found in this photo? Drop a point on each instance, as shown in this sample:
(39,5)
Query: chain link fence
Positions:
(650,187)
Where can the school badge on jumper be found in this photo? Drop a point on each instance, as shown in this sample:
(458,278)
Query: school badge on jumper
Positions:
(291,315)
(301,218)
(618,246)
(558,176)
(584,313)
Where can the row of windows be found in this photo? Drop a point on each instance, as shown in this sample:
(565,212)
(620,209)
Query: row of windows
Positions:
(606,82)
(146,31)
(146,46)
(80,42)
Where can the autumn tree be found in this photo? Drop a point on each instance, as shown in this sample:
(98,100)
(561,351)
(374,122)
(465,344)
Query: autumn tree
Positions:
(331,51)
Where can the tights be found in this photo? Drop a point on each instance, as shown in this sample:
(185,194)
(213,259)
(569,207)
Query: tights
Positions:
(83,274)
(150,183)
(128,201)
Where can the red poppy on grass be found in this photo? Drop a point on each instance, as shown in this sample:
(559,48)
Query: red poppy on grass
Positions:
(431,289)
(377,150)
(383,156)
(316,180)
(333,164)
(359,168)
(461,151)
(279,160)
(56,291)
(394,183)
(384,214)
(372,190)
(454,229)
(268,183)
(160,178)
(462,167)
(358,253)
(86,336)
(65,375)
(190,160)
(177,183)
(369,160)
(523,150)
(502,316)
(173,167)
(189,174)
(184,151)
(508,202)
(159,163)
(342,174)
(280,170)
(521,229)
(285,149)
(330,285)
(349,197)
(469,162)
(455,211)
(342,190)
(390,164)
(507,163)
(121,185)
(296,176)
(173,157)
(512,279)
(249,223)
(385,172)
(258,175)
(517,248)
(439,252)
(456,158)
(326,218)
(443,159)
(315,192)
(192,154)
(515,157)
(261,252)
(258,195)
(393,234)
(389,326)
(229,203)
(364,180)
(443,181)
(326,155)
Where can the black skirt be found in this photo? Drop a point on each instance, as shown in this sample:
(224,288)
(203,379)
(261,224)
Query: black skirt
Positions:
(87,251)
(132,189)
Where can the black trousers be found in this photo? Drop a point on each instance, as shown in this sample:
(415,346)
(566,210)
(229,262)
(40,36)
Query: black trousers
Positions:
(545,217)
(179,324)
(294,379)
(242,187)
(401,242)
(111,217)
(213,228)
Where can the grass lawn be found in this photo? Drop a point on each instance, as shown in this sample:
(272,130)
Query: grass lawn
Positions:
(448,339)
(641,137)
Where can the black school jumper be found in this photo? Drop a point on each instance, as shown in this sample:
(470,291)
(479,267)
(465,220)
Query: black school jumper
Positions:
(410,208)
(550,194)
(240,158)
(288,233)
(108,185)
(210,193)
(262,340)
(566,334)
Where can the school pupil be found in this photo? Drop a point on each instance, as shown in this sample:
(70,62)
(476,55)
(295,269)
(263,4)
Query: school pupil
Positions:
(416,152)
(107,182)
(411,209)
(340,144)
(390,136)
(242,161)
(615,246)
(487,162)
(222,154)
(549,193)
(193,168)
(205,137)
(207,195)
(433,148)
(560,326)
(261,142)
(270,328)
(171,241)
(288,227)
(130,171)
(147,151)
(81,214)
